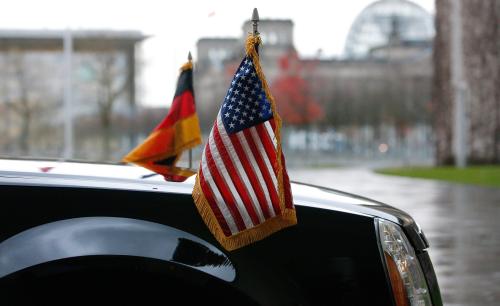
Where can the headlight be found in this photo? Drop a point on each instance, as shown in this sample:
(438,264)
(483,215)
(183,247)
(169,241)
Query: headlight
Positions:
(408,282)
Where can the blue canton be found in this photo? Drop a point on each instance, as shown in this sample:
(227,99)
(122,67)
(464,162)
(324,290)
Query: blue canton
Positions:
(245,104)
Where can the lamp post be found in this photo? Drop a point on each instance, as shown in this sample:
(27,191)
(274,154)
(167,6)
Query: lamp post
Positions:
(68,95)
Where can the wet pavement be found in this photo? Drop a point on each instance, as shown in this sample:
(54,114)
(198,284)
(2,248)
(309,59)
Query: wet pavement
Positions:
(461,222)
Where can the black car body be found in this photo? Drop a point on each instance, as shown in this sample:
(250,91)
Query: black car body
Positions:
(88,232)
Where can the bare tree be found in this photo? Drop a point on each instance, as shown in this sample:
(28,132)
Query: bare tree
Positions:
(29,100)
(112,83)
(22,95)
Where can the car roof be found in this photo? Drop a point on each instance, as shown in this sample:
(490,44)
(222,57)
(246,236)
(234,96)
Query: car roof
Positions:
(75,168)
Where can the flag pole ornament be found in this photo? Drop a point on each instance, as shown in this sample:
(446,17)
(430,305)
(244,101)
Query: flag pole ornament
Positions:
(179,131)
(242,189)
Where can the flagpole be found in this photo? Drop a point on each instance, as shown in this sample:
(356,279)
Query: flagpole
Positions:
(190,158)
(255,22)
(190,59)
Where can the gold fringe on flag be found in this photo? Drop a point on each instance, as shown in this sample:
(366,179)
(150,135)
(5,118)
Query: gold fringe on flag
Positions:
(246,237)
(186,66)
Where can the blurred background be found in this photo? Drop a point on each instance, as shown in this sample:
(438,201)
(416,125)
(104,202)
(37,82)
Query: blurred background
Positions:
(89,80)
(359,84)
(365,82)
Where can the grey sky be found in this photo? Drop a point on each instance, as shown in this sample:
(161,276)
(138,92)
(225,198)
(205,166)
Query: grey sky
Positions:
(175,27)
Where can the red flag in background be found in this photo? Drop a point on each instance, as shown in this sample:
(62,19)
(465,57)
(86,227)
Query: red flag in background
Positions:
(179,131)
(242,188)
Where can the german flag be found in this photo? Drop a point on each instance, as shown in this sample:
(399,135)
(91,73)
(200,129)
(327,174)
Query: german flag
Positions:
(179,131)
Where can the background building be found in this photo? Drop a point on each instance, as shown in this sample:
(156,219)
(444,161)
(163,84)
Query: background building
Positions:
(102,91)
(378,93)
(373,102)
(375,25)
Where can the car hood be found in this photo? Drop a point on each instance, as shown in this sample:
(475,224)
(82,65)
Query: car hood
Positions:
(88,175)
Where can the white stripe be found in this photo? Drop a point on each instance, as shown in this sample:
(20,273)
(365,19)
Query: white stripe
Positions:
(262,150)
(270,131)
(221,167)
(239,167)
(256,170)
(218,197)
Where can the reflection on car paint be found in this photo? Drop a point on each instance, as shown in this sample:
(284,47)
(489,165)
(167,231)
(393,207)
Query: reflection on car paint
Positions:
(111,236)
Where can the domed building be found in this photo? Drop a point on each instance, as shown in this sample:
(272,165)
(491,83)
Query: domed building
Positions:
(385,20)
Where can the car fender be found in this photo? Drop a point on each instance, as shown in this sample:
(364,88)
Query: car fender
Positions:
(92,236)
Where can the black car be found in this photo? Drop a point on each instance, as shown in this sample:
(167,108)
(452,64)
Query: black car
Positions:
(79,232)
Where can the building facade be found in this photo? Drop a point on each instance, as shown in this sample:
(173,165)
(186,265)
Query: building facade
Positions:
(35,67)
(381,83)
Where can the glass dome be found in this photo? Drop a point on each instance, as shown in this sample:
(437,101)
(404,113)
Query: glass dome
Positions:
(376,23)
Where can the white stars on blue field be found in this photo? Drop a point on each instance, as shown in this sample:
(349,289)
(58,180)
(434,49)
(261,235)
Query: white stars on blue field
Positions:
(246,103)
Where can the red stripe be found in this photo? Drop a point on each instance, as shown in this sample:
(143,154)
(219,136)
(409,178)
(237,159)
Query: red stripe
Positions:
(273,123)
(224,190)
(268,146)
(234,175)
(182,107)
(271,150)
(265,173)
(254,181)
(207,191)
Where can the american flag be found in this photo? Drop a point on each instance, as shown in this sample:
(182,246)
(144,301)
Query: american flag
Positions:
(240,172)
